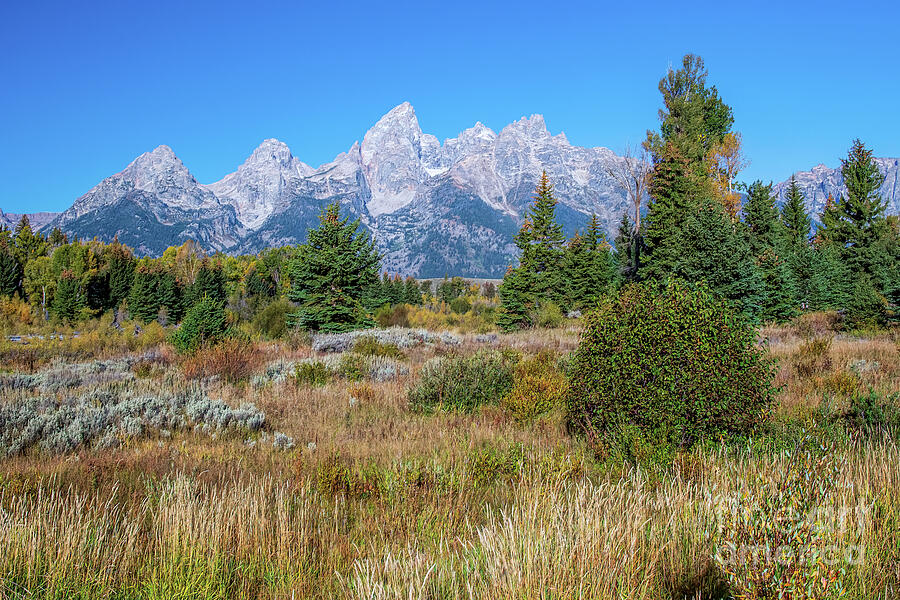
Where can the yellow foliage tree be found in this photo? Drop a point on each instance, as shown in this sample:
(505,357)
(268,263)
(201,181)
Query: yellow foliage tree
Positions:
(724,161)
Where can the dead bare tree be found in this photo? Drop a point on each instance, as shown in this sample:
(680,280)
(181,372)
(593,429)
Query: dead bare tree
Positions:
(632,173)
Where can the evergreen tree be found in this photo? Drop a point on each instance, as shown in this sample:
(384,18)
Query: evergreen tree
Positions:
(538,278)
(28,244)
(719,254)
(68,301)
(693,124)
(516,301)
(169,295)
(331,273)
(765,236)
(777,300)
(57,238)
(143,297)
(411,293)
(10,272)
(209,282)
(762,219)
(794,218)
(96,290)
(866,306)
(588,268)
(830,281)
(628,249)
(674,196)
(120,265)
(541,241)
(857,225)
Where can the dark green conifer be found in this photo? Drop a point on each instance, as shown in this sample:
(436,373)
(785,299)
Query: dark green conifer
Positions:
(331,274)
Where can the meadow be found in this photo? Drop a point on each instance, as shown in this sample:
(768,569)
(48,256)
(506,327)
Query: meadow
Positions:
(323,467)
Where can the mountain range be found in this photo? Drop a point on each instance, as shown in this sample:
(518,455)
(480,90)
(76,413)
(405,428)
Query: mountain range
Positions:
(434,208)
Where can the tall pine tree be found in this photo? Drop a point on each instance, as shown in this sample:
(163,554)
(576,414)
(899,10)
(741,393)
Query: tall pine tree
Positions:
(331,274)
(538,278)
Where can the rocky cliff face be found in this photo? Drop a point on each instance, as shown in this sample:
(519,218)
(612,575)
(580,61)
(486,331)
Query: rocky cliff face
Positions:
(152,204)
(434,208)
(820,182)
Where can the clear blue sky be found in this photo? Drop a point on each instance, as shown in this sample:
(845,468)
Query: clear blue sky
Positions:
(86,87)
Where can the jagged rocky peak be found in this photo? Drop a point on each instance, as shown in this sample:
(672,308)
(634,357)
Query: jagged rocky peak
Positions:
(532,127)
(159,172)
(257,188)
(394,156)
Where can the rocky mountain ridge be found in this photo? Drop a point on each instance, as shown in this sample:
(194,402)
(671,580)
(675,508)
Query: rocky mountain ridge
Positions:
(434,207)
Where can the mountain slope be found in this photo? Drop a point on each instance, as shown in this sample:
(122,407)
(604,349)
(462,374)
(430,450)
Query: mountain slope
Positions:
(152,204)
(434,208)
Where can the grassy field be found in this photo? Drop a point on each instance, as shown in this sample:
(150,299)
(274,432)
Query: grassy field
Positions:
(272,470)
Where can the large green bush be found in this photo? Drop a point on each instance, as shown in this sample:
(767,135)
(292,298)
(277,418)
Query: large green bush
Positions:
(463,383)
(204,323)
(674,362)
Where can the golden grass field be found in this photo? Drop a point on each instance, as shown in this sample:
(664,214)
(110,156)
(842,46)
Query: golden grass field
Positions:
(375,500)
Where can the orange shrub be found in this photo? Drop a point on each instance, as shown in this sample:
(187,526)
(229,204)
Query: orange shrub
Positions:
(232,360)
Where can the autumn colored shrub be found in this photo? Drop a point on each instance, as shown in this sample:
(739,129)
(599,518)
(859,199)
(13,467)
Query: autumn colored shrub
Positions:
(673,361)
(232,360)
(813,357)
(817,324)
(539,387)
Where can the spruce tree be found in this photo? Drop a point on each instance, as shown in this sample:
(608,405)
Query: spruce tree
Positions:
(626,255)
(411,293)
(693,122)
(28,244)
(587,267)
(794,218)
(208,283)
(516,301)
(717,251)
(331,273)
(766,239)
(538,278)
(68,300)
(10,272)
(120,265)
(762,218)
(541,243)
(142,300)
(856,223)
(830,281)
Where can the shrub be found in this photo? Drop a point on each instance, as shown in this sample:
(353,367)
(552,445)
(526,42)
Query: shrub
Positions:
(271,321)
(352,366)
(460,305)
(462,383)
(111,414)
(872,412)
(392,316)
(369,346)
(204,323)
(813,357)
(673,361)
(539,387)
(549,315)
(233,360)
(488,464)
(315,373)
(817,324)
(842,383)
